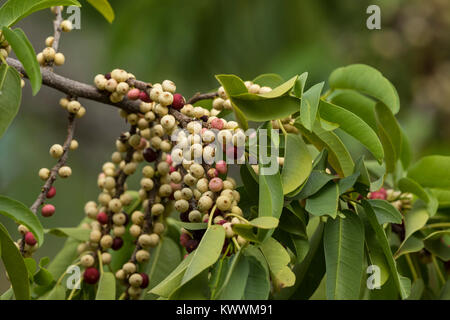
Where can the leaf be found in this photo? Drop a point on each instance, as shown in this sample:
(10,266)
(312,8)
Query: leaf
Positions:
(104,8)
(43,277)
(338,155)
(163,260)
(402,284)
(173,280)
(271,80)
(415,219)
(257,286)
(64,258)
(316,181)
(14,10)
(277,258)
(270,198)
(354,126)
(10,96)
(309,273)
(26,54)
(309,105)
(79,234)
(417,289)
(57,293)
(431,172)
(21,214)
(207,252)
(344,255)
(345,184)
(324,202)
(385,212)
(248,179)
(412,244)
(233,287)
(297,163)
(194,289)
(366,80)
(14,265)
(299,85)
(233,85)
(106,287)
(189,225)
(375,254)
(390,135)
(409,185)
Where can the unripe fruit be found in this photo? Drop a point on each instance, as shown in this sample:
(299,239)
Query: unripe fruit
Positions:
(117,243)
(118,231)
(178,101)
(44,173)
(40,58)
(216,185)
(229,233)
(111,85)
(59,59)
(217,124)
(165,99)
(223,203)
(120,275)
(197,170)
(154,93)
(91,275)
(119,219)
(51,192)
(135,280)
(181,205)
(65,172)
(106,241)
(95,236)
(100,82)
(30,239)
(23,229)
(102,218)
(205,203)
(66,26)
(122,88)
(115,205)
(56,151)
(106,258)
(87,260)
(135,230)
(49,54)
(137,217)
(142,256)
(169,86)
(147,184)
(133,94)
(48,210)
(195,216)
(158,228)
(49,41)
(73,106)
(73,145)
(157,209)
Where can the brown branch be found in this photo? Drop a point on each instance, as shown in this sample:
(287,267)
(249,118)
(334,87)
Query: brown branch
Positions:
(76,89)
(57,28)
(202,96)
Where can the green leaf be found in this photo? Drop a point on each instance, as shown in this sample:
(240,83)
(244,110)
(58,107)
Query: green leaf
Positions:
(316,181)
(43,277)
(431,172)
(309,105)
(415,219)
(235,281)
(402,284)
(189,225)
(14,265)
(345,184)
(390,135)
(344,255)
(375,254)
(412,244)
(26,54)
(271,80)
(299,86)
(21,214)
(338,155)
(195,289)
(57,293)
(207,252)
(362,106)
(278,259)
(106,287)
(297,163)
(258,281)
(80,234)
(386,212)
(270,198)
(324,202)
(366,80)
(354,126)
(14,10)
(104,8)
(233,85)
(163,260)
(10,96)
(409,185)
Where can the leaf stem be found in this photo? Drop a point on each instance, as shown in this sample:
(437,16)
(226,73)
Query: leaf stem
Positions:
(72,293)
(411,266)
(212,216)
(282,127)
(236,243)
(438,270)
(438,225)
(100,262)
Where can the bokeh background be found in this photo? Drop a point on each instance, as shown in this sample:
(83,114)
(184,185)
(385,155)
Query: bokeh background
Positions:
(191,41)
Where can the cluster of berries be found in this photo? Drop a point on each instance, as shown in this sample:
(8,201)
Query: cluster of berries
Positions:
(401,201)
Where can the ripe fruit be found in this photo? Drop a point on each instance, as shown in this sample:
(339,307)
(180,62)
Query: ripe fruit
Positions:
(102,217)
(91,275)
(221,167)
(217,124)
(48,210)
(216,184)
(145,280)
(134,94)
(178,101)
(117,243)
(30,239)
(143,96)
(150,155)
(51,192)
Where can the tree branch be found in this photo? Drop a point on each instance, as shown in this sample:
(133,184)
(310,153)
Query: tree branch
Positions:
(202,96)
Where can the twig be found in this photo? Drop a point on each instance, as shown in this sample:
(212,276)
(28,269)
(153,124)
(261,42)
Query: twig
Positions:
(202,96)
(56,33)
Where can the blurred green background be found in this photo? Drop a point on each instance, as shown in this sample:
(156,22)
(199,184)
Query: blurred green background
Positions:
(191,41)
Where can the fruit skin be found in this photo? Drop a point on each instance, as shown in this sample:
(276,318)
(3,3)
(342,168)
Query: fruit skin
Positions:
(134,94)
(30,239)
(217,124)
(380,194)
(145,280)
(143,96)
(150,155)
(178,101)
(51,192)
(102,217)
(221,167)
(191,245)
(117,243)
(91,275)
(48,210)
